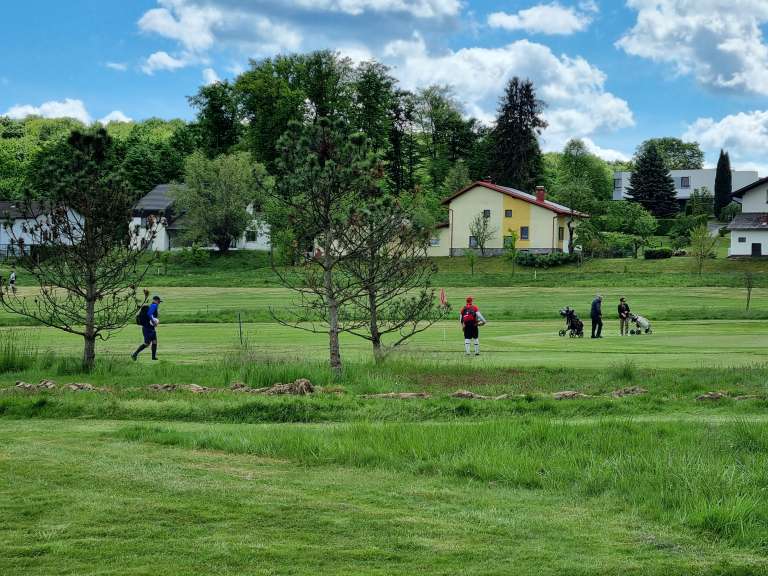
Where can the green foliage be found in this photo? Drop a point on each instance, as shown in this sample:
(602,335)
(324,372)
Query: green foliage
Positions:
(657,253)
(456,179)
(632,219)
(217,117)
(723,184)
(195,255)
(516,159)
(730,211)
(675,153)
(551,260)
(701,203)
(683,225)
(702,246)
(651,185)
(576,162)
(216,196)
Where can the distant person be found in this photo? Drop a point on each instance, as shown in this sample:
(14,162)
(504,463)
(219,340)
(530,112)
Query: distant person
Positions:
(12,280)
(597,317)
(623,317)
(149,320)
(471,320)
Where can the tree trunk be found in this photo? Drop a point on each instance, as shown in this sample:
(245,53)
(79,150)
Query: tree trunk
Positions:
(333,317)
(89,348)
(223,244)
(378,354)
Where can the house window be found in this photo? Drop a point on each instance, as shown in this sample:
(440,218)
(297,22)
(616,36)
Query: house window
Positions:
(472,242)
(561,233)
(742,239)
(486,213)
(251,235)
(507,213)
(685,182)
(617,183)
(434,241)
(524,233)
(508,241)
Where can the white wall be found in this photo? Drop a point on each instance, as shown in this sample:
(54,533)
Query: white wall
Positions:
(161,241)
(745,248)
(466,207)
(698,179)
(756,200)
(29,230)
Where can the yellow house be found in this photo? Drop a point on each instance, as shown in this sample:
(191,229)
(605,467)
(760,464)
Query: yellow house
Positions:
(541,225)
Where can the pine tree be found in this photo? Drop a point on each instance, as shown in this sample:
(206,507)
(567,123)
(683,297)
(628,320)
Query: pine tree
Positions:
(723,184)
(516,160)
(652,186)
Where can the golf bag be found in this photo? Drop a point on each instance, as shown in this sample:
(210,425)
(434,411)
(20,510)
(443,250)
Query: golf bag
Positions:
(642,325)
(574,327)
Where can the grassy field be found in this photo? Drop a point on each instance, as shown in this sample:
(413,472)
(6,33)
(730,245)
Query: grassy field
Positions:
(131,480)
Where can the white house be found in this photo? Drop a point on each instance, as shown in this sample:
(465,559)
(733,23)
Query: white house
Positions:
(158,203)
(686,181)
(749,230)
(24,225)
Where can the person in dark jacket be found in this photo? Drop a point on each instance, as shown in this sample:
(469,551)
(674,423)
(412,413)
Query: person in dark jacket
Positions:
(149,322)
(623,317)
(597,317)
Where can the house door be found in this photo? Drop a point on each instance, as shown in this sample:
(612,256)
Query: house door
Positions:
(757,249)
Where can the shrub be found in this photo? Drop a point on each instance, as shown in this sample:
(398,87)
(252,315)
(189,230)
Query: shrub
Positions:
(196,255)
(617,245)
(730,211)
(554,259)
(657,253)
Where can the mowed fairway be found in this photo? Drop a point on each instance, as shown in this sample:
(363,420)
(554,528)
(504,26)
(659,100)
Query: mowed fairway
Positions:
(688,344)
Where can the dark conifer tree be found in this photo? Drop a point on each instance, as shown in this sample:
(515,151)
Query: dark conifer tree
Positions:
(723,184)
(516,157)
(652,186)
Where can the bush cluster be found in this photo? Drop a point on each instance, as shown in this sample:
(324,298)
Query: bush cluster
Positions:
(532,260)
(657,253)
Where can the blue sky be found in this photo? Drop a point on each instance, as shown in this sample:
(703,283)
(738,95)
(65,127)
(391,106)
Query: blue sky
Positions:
(613,72)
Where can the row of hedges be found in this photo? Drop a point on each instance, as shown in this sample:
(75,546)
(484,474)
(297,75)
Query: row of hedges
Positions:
(657,253)
(532,260)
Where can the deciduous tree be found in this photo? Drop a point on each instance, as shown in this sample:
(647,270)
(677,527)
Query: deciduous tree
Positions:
(480,228)
(216,197)
(675,153)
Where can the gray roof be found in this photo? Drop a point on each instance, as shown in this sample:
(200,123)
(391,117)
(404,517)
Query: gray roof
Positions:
(750,221)
(157,200)
(13,209)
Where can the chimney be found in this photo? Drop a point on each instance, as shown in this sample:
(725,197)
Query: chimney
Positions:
(541,194)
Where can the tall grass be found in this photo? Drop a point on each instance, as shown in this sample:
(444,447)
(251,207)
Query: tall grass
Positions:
(708,478)
(18,351)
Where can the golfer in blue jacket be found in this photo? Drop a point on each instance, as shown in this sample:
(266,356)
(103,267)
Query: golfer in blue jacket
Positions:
(149,322)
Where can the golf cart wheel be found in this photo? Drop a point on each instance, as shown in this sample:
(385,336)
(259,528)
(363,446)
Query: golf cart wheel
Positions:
(572,335)
(581,334)
(562,332)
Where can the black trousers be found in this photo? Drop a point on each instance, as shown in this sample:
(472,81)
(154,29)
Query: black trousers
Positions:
(597,326)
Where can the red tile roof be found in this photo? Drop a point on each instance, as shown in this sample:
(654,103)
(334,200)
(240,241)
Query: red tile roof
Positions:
(530,198)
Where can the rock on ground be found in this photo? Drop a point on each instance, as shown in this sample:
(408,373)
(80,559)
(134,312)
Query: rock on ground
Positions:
(401,395)
(629,391)
(568,395)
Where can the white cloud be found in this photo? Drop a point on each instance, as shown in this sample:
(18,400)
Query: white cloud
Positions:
(719,42)
(115,116)
(162,61)
(551,18)
(68,108)
(417,8)
(210,76)
(743,135)
(607,154)
(197,27)
(119,66)
(578,104)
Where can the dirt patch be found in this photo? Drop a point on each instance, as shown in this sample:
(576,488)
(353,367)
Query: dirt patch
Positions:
(300,387)
(568,395)
(468,395)
(194,388)
(85,387)
(43,385)
(712,396)
(629,391)
(400,395)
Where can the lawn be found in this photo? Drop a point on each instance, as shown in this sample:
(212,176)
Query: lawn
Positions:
(106,498)
(131,480)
